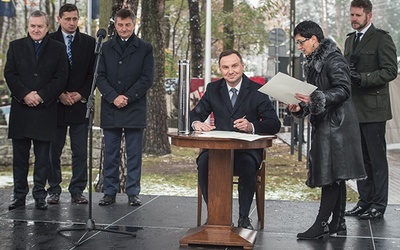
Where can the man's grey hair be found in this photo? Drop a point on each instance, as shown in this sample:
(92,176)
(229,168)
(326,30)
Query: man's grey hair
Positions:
(39,13)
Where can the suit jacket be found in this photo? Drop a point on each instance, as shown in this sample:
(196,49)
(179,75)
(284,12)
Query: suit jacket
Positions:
(47,75)
(376,60)
(128,72)
(251,103)
(80,77)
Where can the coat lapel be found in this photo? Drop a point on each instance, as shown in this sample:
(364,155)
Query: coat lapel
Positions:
(131,47)
(116,46)
(367,36)
(31,49)
(225,95)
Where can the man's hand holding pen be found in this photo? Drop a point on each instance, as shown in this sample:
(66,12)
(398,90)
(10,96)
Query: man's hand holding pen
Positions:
(243,124)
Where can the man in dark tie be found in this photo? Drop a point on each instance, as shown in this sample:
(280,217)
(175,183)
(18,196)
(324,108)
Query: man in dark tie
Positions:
(372,57)
(35,84)
(71,106)
(238,106)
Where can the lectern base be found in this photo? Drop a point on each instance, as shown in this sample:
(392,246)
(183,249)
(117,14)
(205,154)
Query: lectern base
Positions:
(220,236)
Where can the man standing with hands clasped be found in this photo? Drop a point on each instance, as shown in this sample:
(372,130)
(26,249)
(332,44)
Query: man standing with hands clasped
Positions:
(71,107)
(238,106)
(36,72)
(372,57)
(126,70)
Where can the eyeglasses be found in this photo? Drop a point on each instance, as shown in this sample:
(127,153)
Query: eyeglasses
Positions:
(301,42)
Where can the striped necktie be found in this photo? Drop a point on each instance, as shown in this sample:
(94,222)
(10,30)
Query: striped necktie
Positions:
(69,51)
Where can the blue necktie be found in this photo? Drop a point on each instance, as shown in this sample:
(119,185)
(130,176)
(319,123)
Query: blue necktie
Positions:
(37,49)
(234,96)
(69,52)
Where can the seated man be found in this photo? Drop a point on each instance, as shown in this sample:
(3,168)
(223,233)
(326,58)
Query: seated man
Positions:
(238,106)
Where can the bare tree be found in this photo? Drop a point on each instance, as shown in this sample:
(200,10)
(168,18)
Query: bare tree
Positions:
(196,42)
(229,38)
(156,139)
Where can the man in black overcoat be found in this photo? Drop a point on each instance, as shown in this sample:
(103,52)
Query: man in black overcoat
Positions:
(36,72)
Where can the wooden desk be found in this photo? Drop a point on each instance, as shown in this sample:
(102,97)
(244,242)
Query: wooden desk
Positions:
(219,229)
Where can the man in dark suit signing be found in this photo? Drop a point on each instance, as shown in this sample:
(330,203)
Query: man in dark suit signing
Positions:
(71,108)
(238,106)
(36,72)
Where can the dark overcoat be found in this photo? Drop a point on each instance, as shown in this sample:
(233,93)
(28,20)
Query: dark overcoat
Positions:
(79,79)
(335,153)
(47,75)
(128,73)
(376,61)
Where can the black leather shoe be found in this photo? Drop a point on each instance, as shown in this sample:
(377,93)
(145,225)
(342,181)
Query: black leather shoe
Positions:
(244,222)
(17,203)
(107,200)
(41,204)
(134,200)
(355,211)
(53,199)
(371,214)
(79,199)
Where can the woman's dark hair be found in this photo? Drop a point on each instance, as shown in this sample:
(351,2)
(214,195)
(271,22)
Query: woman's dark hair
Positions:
(307,29)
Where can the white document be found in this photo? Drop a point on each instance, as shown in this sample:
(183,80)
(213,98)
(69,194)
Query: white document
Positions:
(283,87)
(232,135)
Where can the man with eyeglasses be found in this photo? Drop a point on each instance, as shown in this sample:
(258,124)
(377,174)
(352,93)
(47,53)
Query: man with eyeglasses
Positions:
(372,57)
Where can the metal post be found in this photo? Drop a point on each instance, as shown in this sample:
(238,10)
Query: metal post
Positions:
(89,18)
(277,67)
(184,87)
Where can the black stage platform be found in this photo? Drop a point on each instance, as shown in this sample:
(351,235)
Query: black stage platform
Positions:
(162,220)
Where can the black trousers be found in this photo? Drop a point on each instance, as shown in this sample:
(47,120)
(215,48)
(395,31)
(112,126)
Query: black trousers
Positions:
(374,190)
(78,134)
(21,151)
(245,166)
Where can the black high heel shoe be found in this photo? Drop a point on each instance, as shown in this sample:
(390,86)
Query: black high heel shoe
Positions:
(318,230)
(340,229)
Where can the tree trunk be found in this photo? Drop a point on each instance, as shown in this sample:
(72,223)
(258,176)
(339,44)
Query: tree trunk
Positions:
(228,25)
(196,42)
(156,139)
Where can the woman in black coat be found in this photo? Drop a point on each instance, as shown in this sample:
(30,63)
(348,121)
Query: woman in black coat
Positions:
(335,155)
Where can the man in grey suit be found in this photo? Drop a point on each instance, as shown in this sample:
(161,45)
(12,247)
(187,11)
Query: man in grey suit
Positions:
(36,72)
(238,106)
(372,57)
